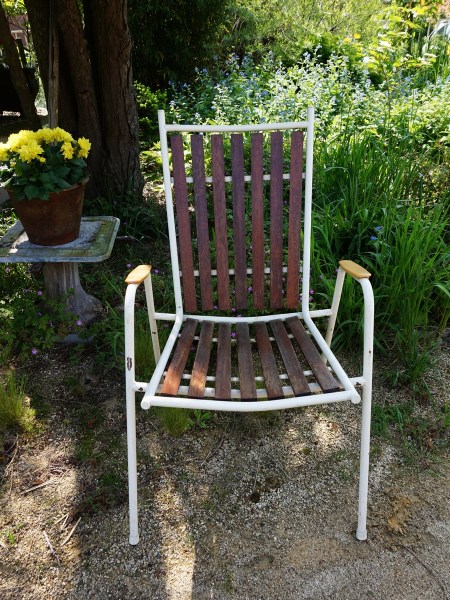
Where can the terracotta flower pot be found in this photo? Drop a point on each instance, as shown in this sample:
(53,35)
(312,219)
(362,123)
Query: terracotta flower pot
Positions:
(54,221)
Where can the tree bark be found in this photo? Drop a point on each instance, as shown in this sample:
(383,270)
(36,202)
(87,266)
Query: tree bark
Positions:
(39,16)
(79,63)
(96,97)
(18,79)
(110,44)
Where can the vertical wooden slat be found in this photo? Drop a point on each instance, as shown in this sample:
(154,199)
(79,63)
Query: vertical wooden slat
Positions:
(247,383)
(179,359)
(220,218)
(324,378)
(268,362)
(184,225)
(257,221)
(295,209)
(276,219)
(293,367)
(223,368)
(200,368)
(201,216)
(240,259)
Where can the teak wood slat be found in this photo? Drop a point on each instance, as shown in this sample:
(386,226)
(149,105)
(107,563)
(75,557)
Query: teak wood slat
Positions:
(240,252)
(268,362)
(246,368)
(324,378)
(293,366)
(295,209)
(200,368)
(257,170)
(223,366)
(220,221)
(201,214)
(179,359)
(184,224)
(276,219)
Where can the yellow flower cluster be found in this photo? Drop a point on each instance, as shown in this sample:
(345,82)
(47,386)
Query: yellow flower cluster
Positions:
(67,150)
(4,149)
(27,152)
(53,135)
(29,145)
(85,146)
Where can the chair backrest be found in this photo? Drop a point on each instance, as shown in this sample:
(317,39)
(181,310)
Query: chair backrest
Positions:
(237,198)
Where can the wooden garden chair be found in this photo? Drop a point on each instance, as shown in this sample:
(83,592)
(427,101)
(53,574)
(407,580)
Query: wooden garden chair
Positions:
(243,336)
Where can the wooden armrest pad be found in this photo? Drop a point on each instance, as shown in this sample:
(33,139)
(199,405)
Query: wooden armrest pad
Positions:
(138,274)
(354,270)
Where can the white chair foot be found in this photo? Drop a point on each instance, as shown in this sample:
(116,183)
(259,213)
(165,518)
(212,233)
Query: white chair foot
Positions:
(361,535)
(134,539)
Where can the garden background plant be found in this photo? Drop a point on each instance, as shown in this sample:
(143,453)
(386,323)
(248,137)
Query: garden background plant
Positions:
(380,190)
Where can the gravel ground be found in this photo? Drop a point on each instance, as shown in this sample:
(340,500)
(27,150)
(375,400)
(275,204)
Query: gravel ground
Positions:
(253,507)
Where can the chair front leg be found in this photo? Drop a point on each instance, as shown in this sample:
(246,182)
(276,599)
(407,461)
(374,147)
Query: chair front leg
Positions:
(361,532)
(131,410)
(132,466)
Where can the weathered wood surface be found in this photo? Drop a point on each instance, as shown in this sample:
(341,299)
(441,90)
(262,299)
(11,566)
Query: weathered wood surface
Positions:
(184,223)
(223,366)
(179,359)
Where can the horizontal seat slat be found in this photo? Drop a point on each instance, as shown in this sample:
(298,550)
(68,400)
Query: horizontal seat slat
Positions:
(293,367)
(326,381)
(223,366)
(268,362)
(246,368)
(200,368)
(179,359)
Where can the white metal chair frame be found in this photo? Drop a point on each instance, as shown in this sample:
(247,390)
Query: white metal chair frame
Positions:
(143,274)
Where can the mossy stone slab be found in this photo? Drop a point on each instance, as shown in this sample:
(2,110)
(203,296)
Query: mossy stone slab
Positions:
(94,244)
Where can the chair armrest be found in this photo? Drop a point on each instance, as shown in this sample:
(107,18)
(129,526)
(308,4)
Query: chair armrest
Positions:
(354,270)
(138,274)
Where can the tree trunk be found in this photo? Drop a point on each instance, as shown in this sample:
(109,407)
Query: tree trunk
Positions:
(96,97)
(110,44)
(75,48)
(39,16)
(18,79)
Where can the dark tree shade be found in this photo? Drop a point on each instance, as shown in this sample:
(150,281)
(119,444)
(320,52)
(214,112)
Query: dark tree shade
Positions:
(96,97)
(17,75)
(171,37)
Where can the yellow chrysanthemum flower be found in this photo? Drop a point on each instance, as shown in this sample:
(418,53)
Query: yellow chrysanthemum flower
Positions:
(3,151)
(85,146)
(30,151)
(16,140)
(67,150)
(59,135)
(45,135)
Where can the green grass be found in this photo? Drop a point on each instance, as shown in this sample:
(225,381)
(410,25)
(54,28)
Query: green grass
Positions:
(15,412)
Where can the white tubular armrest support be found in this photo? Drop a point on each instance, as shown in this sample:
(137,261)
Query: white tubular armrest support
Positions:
(140,274)
(357,272)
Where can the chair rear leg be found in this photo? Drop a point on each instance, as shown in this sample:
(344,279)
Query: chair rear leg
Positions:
(132,465)
(361,532)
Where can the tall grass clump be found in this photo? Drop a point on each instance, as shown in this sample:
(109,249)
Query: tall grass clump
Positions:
(15,412)
(380,181)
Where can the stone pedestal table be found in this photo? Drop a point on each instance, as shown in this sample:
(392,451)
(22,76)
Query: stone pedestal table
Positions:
(94,244)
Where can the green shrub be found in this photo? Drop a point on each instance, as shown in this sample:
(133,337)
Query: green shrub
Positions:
(380,195)
(148,103)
